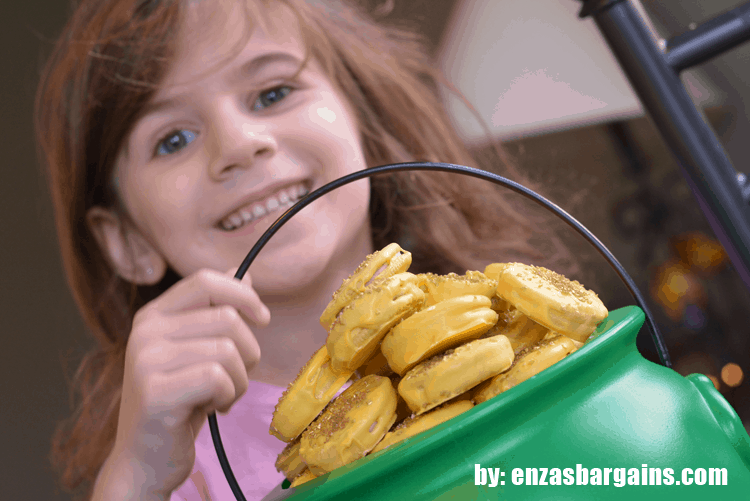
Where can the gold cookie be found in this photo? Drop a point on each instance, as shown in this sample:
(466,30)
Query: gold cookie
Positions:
(382,264)
(304,476)
(519,329)
(358,329)
(454,372)
(417,424)
(435,329)
(290,462)
(535,360)
(552,335)
(315,386)
(441,287)
(551,300)
(351,426)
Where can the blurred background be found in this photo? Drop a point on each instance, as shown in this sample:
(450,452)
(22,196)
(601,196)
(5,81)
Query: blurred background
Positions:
(542,81)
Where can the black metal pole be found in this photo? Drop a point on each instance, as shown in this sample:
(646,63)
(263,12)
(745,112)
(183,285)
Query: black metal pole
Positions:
(709,39)
(701,156)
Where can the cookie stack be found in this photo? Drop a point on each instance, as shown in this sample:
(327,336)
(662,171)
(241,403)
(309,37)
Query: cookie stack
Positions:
(422,349)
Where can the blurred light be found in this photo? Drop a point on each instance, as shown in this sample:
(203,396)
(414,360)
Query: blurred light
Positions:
(675,288)
(699,252)
(732,375)
(693,317)
(714,380)
(696,362)
(676,284)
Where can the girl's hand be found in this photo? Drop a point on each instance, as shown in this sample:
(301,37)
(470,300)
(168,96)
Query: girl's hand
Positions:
(188,355)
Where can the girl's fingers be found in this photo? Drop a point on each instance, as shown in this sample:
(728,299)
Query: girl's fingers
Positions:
(177,356)
(197,420)
(210,387)
(231,272)
(213,324)
(209,288)
(247,281)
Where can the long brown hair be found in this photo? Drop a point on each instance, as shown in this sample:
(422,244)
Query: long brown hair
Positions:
(106,66)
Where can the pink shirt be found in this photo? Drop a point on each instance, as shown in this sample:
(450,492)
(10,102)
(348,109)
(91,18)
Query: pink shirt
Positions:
(250,449)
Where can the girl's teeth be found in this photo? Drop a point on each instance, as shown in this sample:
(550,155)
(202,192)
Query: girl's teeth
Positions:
(259,211)
(235,219)
(285,200)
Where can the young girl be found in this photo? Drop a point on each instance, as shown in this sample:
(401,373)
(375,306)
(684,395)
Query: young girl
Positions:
(175,132)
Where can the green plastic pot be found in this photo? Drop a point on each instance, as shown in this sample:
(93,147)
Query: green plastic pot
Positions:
(604,406)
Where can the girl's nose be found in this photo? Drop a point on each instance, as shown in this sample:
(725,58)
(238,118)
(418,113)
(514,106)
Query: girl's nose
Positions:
(238,142)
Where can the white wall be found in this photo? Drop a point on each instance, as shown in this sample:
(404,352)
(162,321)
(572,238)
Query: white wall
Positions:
(532,66)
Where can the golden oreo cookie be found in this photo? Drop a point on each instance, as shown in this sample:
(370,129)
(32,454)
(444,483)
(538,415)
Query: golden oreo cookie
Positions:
(358,329)
(552,300)
(535,360)
(417,424)
(552,335)
(519,329)
(384,263)
(454,372)
(305,476)
(441,287)
(351,426)
(315,386)
(494,270)
(435,329)
(289,461)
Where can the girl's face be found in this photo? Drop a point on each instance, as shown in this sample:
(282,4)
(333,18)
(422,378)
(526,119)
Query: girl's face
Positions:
(223,150)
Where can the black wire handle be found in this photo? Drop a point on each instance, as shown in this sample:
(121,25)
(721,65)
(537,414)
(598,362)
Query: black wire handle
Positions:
(442,167)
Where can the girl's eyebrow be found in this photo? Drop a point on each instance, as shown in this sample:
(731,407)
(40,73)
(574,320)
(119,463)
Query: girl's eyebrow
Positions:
(252,67)
(245,71)
(156,106)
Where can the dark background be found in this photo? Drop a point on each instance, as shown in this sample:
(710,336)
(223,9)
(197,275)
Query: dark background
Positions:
(595,172)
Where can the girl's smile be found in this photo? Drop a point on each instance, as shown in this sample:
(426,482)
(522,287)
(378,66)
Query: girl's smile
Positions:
(255,208)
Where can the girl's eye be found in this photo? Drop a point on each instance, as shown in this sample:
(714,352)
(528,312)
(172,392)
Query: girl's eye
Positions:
(174,141)
(271,96)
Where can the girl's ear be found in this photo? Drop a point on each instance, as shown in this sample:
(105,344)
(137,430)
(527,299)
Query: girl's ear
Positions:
(130,254)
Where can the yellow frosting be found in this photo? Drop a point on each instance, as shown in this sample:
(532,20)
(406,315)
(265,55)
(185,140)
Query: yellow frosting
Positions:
(519,329)
(392,258)
(540,357)
(304,476)
(441,287)
(289,461)
(552,335)
(494,270)
(351,426)
(417,424)
(435,329)
(552,300)
(454,372)
(357,331)
(315,386)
